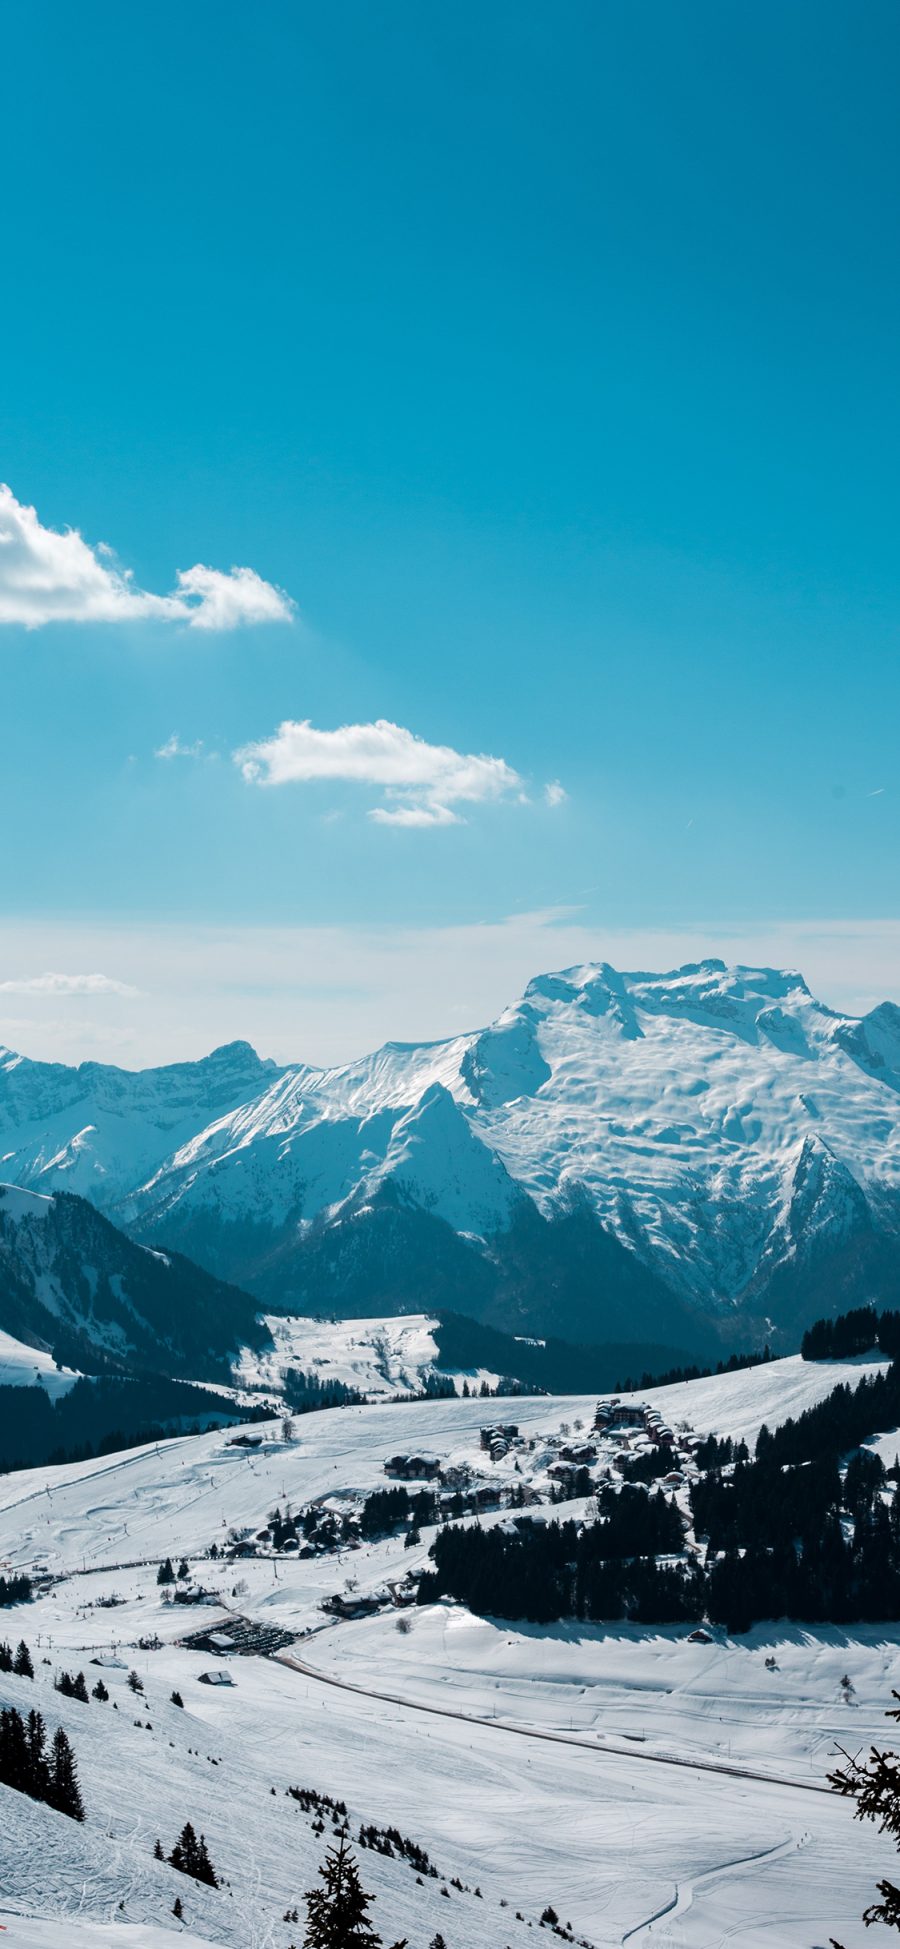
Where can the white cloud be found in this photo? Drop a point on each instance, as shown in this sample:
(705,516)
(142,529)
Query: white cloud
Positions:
(225,601)
(414,815)
(67,984)
(555,793)
(174,748)
(422,782)
(47,576)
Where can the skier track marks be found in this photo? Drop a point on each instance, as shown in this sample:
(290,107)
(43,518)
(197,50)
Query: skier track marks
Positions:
(553,1738)
(683,1897)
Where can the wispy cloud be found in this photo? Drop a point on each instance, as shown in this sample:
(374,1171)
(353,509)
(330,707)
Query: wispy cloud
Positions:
(67,984)
(174,747)
(321,993)
(555,793)
(422,783)
(50,576)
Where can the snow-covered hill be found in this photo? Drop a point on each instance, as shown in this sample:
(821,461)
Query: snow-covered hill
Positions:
(617,1154)
(647,1785)
(381,1358)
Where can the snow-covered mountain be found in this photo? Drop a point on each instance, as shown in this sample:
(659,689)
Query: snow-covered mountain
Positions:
(616,1153)
(100,1131)
(73,1284)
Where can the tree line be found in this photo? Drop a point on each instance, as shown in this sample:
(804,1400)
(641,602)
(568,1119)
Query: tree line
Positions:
(787,1534)
(96,1417)
(856,1332)
(30,1765)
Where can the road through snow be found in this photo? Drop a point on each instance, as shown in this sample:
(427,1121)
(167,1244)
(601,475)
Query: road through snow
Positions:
(554,1738)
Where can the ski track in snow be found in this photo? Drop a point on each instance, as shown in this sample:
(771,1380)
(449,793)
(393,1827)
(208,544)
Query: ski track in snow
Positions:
(683,1897)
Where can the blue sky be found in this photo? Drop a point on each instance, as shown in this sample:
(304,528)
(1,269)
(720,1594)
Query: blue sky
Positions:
(545,360)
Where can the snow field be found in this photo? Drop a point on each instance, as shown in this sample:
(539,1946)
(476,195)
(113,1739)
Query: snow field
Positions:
(379,1357)
(626,1818)
(23,1366)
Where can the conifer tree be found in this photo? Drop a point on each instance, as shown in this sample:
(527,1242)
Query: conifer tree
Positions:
(22,1664)
(191,1857)
(165,1574)
(876,1789)
(63,1792)
(337,1916)
(100,1692)
(14,1768)
(6,1658)
(38,1768)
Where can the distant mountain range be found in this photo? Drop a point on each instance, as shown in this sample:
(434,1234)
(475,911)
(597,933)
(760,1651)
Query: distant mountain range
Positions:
(669,1156)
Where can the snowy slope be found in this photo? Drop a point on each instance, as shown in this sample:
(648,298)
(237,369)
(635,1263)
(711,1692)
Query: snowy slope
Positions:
(379,1357)
(100,1512)
(620,1775)
(23,1366)
(734,1143)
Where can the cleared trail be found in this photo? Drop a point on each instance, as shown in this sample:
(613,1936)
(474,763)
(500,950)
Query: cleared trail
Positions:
(685,1891)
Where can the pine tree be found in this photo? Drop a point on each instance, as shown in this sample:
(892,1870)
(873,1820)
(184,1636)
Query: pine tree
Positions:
(136,1682)
(22,1664)
(177,1699)
(165,1574)
(158,1851)
(63,1792)
(177,1909)
(183,1570)
(191,1857)
(876,1789)
(100,1692)
(337,1913)
(6,1657)
(204,1870)
(14,1758)
(38,1768)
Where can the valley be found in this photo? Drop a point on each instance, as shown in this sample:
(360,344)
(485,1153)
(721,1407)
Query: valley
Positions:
(640,1784)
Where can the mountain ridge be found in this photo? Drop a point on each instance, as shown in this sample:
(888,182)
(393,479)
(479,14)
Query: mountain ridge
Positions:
(710,1141)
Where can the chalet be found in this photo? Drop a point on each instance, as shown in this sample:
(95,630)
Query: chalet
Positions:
(583,1453)
(630,1417)
(351,1606)
(502,1431)
(215,1678)
(416,1467)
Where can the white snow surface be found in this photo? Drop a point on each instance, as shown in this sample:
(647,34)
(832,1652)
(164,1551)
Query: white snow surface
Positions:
(23,1366)
(649,1788)
(380,1357)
